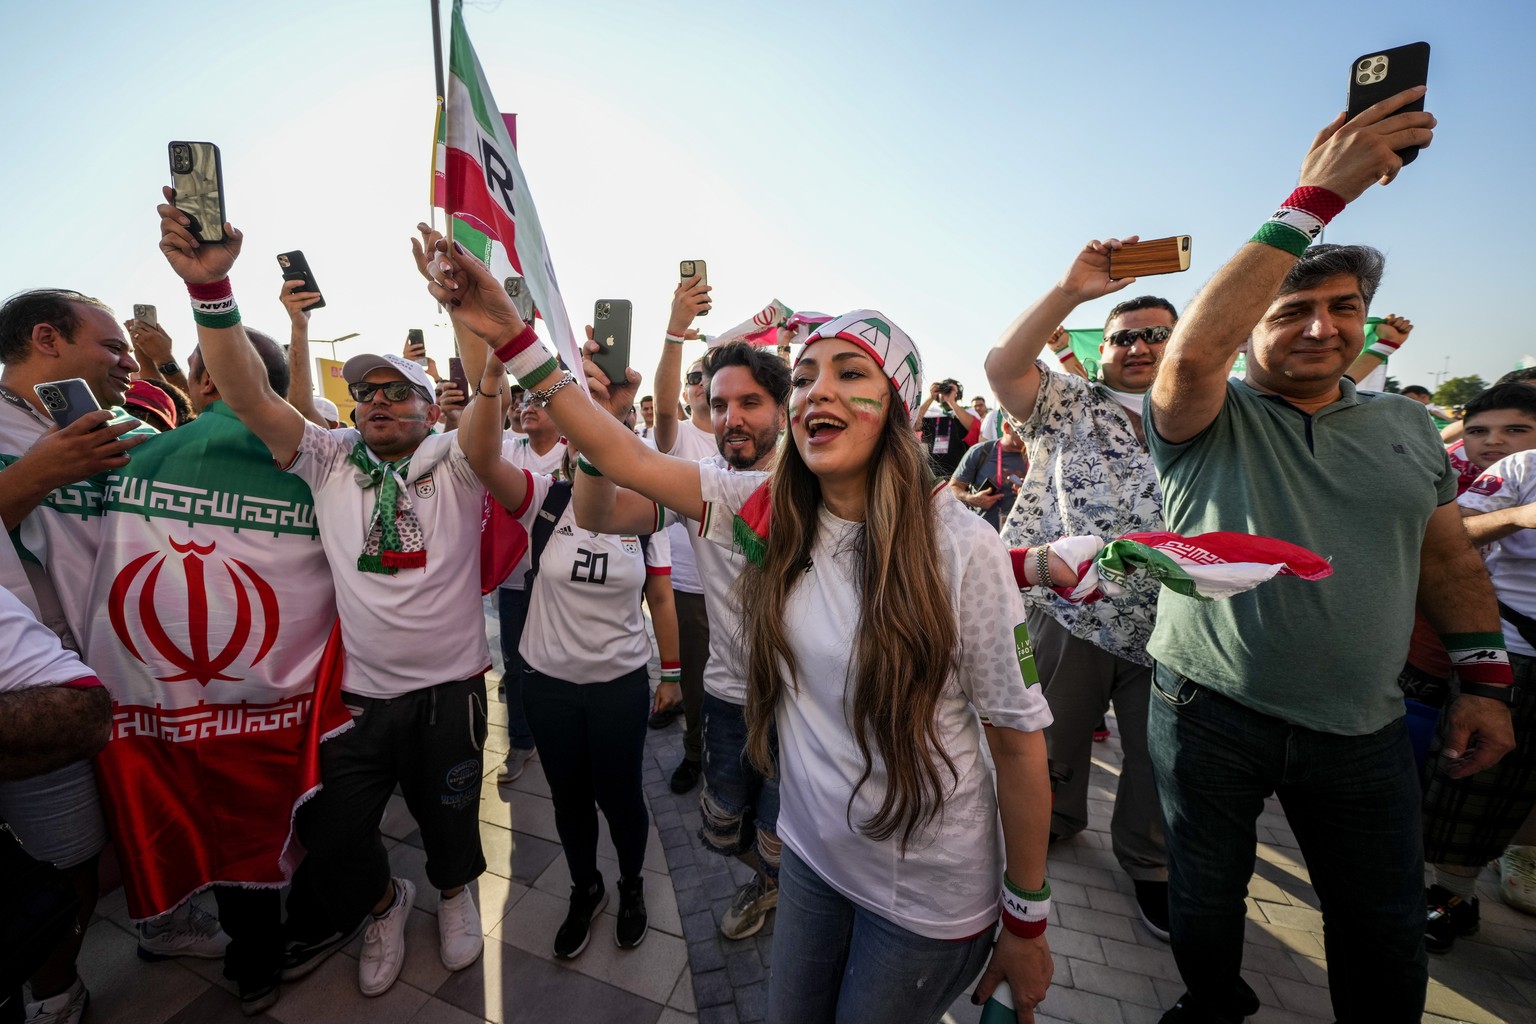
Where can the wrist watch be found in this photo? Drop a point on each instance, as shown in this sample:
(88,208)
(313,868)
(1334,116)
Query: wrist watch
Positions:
(169,368)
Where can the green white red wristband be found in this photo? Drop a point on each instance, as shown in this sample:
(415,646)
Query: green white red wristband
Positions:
(1065,354)
(1300,219)
(675,339)
(213,303)
(671,672)
(527,358)
(1481,663)
(1382,349)
(1024,912)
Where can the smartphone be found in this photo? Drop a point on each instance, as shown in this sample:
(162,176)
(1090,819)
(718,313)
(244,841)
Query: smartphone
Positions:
(694,268)
(66,400)
(415,339)
(296,268)
(610,326)
(522,298)
(456,374)
(146,313)
(1375,76)
(197,175)
(985,487)
(1154,256)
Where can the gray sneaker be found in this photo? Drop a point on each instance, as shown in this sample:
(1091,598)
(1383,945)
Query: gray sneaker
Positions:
(749,910)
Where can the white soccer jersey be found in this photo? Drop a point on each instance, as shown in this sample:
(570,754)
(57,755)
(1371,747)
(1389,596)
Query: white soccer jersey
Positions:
(946,885)
(585,624)
(419,627)
(518,450)
(1512,561)
(34,655)
(692,444)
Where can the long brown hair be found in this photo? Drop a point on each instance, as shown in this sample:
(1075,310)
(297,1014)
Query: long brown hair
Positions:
(906,638)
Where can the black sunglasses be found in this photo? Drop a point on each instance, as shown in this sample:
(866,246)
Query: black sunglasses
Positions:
(695,378)
(1150,335)
(394,390)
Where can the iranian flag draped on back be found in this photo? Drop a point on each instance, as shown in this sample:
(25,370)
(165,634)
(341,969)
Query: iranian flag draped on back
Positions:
(479,184)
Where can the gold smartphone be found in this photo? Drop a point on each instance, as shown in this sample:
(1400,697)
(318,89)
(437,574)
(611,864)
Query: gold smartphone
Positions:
(694,268)
(1154,256)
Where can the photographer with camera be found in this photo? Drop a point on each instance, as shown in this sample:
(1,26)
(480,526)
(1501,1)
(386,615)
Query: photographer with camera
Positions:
(951,431)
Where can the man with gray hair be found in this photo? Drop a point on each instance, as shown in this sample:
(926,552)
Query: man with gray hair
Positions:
(1265,693)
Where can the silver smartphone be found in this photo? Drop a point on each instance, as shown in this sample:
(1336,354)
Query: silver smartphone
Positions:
(522,298)
(146,313)
(66,400)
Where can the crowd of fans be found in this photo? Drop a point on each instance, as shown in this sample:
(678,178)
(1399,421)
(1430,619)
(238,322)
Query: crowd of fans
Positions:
(238,626)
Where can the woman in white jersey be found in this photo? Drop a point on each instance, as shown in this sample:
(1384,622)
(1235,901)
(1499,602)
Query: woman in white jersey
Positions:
(586,692)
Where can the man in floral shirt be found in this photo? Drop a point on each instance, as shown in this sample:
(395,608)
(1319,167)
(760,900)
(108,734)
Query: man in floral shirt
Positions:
(1089,473)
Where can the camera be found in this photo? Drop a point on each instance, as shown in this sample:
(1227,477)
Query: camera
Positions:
(181,158)
(604,310)
(52,397)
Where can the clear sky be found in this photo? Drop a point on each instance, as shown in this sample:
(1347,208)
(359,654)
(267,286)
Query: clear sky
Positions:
(940,163)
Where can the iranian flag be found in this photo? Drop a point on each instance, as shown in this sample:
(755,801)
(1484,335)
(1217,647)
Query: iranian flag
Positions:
(479,184)
(762,328)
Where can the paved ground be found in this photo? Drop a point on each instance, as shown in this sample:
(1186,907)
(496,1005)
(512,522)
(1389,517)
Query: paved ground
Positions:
(1109,969)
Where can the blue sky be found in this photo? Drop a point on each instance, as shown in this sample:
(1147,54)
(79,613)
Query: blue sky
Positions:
(939,163)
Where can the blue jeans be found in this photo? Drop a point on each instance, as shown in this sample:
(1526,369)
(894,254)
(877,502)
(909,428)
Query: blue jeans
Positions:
(736,795)
(512,611)
(835,961)
(1353,803)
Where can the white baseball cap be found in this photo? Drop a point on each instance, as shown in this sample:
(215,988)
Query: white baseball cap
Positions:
(359,367)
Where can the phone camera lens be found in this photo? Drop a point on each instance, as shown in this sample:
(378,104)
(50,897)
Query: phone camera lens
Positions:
(1364,78)
(603,309)
(1365,65)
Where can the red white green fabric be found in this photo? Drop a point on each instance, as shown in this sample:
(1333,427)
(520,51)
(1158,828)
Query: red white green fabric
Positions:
(484,192)
(214,632)
(1206,567)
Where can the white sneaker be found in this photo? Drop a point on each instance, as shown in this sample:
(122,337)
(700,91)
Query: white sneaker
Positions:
(1517,877)
(383,951)
(512,768)
(459,933)
(189,930)
(65,1008)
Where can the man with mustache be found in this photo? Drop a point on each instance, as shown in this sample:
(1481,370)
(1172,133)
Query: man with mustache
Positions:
(1089,473)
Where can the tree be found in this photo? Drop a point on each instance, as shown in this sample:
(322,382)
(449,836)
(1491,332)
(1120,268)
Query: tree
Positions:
(1392,387)
(1459,390)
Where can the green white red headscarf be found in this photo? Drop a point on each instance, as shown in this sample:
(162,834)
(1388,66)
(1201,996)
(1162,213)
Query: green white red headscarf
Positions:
(886,344)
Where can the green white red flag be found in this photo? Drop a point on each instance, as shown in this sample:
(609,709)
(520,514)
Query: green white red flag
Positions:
(479,183)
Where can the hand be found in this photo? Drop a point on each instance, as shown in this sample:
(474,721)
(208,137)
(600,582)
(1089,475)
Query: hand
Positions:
(1027,967)
(933,390)
(985,499)
(452,402)
(475,300)
(689,299)
(432,367)
(151,345)
(1394,329)
(668,695)
(1088,276)
(616,398)
(193,261)
(80,450)
(1347,157)
(294,298)
(421,248)
(1062,574)
(1480,733)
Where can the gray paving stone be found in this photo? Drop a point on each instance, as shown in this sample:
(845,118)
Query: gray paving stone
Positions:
(1070,1004)
(711,988)
(1126,986)
(692,900)
(706,955)
(752,1002)
(543,991)
(1095,922)
(697,925)
(725,1014)
(744,966)
(1078,945)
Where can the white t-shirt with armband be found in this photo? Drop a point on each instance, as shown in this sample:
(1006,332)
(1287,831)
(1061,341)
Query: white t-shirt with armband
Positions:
(1511,562)
(947,884)
(585,624)
(419,627)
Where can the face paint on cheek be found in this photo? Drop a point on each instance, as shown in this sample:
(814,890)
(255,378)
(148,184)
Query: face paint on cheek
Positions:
(411,417)
(868,408)
(796,414)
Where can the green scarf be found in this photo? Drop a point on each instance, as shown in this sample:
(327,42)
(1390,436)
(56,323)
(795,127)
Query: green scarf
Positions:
(395,540)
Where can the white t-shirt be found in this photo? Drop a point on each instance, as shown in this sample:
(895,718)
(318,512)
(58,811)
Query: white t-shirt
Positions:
(518,450)
(1508,483)
(419,627)
(946,885)
(34,656)
(584,619)
(692,444)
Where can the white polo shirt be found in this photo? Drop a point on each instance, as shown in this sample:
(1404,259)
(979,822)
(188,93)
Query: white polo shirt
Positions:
(518,450)
(419,627)
(585,624)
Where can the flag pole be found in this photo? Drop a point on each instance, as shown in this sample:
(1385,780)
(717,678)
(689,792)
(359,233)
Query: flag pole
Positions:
(442,109)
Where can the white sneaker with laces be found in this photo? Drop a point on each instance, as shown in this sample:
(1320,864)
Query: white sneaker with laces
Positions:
(383,953)
(1517,877)
(512,768)
(459,934)
(189,930)
(65,1008)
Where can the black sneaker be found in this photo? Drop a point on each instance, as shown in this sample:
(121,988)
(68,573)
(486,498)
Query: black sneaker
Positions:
(1152,903)
(633,922)
(664,717)
(1450,916)
(257,996)
(1187,1011)
(300,958)
(686,776)
(572,937)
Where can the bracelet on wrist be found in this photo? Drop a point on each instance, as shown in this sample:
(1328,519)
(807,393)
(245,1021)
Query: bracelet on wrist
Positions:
(526,357)
(500,390)
(1300,219)
(1024,911)
(671,672)
(213,304)
(675,339)
(542,396)
(1043,565)
(1481,664)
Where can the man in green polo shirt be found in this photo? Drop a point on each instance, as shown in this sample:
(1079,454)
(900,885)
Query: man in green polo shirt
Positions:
(1280,690)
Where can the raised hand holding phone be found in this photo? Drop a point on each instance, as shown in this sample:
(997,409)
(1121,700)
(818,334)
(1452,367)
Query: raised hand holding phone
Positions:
(194,261)
(1088,276)
(690,299)
(1351,154)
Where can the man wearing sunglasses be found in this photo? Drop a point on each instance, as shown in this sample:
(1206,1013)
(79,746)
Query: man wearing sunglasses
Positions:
(1089,473)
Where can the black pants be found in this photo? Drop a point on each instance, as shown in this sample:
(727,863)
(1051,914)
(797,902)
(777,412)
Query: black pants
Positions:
(429,743)
(253,920)
(591,741)
(693,644)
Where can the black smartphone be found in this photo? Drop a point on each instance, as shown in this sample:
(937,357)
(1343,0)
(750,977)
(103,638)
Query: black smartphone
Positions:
(1374,77)
(610,327)
(522,298)
(296,268)
(694,268)
(415,340)
(456,374)
(985,487)
(197,175)
(66,400)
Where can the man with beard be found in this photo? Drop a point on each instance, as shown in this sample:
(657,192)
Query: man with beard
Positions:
(747,388)
(1089,473)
